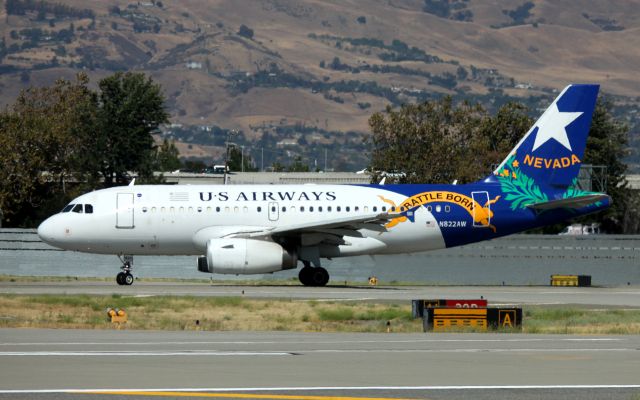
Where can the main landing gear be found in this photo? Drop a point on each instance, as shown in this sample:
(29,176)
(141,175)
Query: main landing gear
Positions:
(125,277)
(313,276)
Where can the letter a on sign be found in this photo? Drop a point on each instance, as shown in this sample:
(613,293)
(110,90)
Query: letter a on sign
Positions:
(506,320)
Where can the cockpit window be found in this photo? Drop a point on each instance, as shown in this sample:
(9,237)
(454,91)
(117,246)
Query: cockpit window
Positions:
(68,208)
(88,209)
(77,208)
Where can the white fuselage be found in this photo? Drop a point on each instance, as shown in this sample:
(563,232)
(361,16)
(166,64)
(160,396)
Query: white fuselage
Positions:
(180,219)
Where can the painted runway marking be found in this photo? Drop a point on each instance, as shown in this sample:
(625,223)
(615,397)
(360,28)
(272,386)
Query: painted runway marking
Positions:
(294,352)
(142,353)
(239,395)
(325,388)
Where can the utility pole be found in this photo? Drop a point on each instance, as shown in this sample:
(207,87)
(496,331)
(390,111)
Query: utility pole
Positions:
(226,155)
(325,159)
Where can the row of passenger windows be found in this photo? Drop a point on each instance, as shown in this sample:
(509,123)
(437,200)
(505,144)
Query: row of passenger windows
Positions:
(292,208)
(79,208)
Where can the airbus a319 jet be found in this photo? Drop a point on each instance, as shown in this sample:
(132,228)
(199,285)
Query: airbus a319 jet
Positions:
(257,229)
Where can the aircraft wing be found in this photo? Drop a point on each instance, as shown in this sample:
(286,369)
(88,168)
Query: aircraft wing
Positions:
(572,202)
(347,226)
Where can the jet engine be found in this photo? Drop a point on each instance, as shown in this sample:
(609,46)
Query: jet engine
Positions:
(245,256)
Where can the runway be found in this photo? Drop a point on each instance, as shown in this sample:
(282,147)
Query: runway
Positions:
(51,364)
(623,296)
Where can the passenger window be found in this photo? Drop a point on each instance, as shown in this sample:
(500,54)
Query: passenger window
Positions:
(273,209)
(319,208)
(338,208)
(88,209)
(259,209)
(329,208)
(284,209)
(311,209)
(208,209)
(236,209)
(153,209)
(356,209)
(172,209)
(77,208)
(144,209)
(429,208)
(375,209)
(366,209)
(301,208)
(245,209)
(199,209)
(438,208)
(217,209)
(190,209)
(447,208)
(181,209)
(384,208)
(68,208)
(227,209)
(163,209)
(347,208)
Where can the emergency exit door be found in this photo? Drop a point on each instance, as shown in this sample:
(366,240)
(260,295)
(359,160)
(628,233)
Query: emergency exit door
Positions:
(124,211)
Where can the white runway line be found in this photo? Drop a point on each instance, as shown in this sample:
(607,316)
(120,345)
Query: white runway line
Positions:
(323,388)
(139,353)
(297,352)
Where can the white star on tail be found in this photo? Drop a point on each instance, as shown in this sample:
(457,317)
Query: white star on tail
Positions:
(552,125)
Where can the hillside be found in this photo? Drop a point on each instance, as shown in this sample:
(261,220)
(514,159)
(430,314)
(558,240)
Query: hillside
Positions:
(302,77)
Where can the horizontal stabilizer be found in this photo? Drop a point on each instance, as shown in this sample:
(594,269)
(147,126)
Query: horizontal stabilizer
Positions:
(572,202)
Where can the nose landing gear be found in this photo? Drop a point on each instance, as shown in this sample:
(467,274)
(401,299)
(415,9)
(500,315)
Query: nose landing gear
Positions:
(125,277)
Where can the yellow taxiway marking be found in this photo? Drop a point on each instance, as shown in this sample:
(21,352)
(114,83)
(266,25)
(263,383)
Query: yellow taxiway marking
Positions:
(239,395)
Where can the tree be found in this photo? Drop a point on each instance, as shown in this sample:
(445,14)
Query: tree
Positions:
(130,109)
(167,156)
(40,147)
(298,165)
(237,159)
(435,142)
(607,145)
(245,31)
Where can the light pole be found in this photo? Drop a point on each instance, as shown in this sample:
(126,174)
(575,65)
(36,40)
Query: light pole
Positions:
(232,132)
(242,157)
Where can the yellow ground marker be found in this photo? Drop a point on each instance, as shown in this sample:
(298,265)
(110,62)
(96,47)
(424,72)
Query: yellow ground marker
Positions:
(238,395)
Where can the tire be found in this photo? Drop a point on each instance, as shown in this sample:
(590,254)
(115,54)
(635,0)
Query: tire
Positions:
(128,279)
(319,277)
(305,276)
(120,278)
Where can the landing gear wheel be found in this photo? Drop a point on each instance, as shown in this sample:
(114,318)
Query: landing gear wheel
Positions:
(305,275)
(313,276)
(125,277)
(319,276)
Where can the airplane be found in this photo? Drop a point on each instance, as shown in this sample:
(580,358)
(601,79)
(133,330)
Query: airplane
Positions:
(258,229)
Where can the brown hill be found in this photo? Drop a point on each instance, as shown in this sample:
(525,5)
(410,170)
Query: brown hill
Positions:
(255,65)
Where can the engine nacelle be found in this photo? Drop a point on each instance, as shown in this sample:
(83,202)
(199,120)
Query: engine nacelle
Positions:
(245,256)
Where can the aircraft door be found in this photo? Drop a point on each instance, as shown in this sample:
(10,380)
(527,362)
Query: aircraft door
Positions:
(124,211)
(274,212)
(480,198)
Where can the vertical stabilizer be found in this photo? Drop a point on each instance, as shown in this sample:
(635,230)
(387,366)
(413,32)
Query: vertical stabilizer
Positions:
(551,153)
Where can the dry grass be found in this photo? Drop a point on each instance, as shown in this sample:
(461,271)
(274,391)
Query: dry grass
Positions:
(213,313)
(241,314)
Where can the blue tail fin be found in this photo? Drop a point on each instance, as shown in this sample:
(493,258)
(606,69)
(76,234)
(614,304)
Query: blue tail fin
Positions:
(551,152)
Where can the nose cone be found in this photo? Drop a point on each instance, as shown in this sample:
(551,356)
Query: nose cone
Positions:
(47,231)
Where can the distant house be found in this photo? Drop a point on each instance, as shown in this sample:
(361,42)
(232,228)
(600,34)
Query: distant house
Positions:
(194,65)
